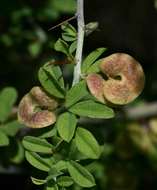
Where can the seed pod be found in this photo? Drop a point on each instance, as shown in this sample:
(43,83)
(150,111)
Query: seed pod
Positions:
(95,84)
(43,99)
(125,80)
(34,109)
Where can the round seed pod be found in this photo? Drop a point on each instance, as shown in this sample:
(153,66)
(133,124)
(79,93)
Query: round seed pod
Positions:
(34,109)
(125,79)
(43,99)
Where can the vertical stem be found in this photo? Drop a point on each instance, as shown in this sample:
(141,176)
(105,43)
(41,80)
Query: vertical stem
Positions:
(80,40)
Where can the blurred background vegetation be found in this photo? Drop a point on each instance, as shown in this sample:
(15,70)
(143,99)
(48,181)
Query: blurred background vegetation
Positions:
(130,158)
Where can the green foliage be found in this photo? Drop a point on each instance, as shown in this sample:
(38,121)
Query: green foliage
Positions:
(61,46)
(94,68)
(11,128)
(80,174)
(91,58)
(67,44)
(4,140)
(37,145)
(8,97)
(37,161)
(69,32)
(87,144)
(66,125)
(89,108)
(59,149)
(76,93)
(50,77)
(64,181)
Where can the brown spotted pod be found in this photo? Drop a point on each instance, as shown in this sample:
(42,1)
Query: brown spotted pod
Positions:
(124,79)
(95,84)
(35,109)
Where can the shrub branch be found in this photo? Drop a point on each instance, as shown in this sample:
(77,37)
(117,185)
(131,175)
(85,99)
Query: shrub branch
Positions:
(80,40)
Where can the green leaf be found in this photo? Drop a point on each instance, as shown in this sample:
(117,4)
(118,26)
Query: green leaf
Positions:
(36,144)
(72,47)
(8,97)
(53,173)
(76,93)
(61,46)
(89,108)
(55,72)
(91,58)
(66,125)
(90,27)
(4,140)
(74,153)
(68,38)
(38,181)
(87,144)
(51,185)
(94,68)
(80,174)
(35,48)
(46,132)
(50,83)
(69,29)
(37,161)
(61,165)
(18,155)
(11,128)
(64,181)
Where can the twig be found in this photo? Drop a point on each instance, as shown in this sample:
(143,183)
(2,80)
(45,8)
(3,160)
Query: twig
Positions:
(80,40)
(67,20)
(142,111)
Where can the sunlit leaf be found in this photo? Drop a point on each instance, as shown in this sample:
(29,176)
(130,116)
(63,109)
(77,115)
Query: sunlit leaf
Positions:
(68,37)
(94,68)
(50,83)
(66,125)
(69,29)
(87,144)
(76,93)
(36,144)
(91,58)
(61,46)
(61,165)
(89,108)
(72,47)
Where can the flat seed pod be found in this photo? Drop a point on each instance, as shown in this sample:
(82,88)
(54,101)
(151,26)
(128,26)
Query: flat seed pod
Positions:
(125,78)
(34,109)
